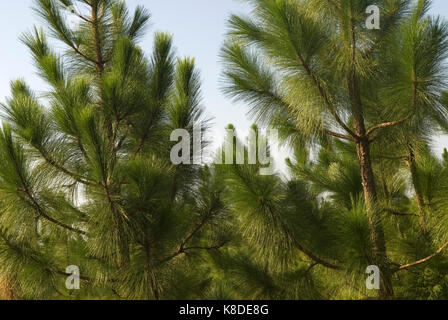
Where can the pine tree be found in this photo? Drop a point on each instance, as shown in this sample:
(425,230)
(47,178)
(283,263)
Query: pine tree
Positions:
(85,174)
(314,67)
(87,179)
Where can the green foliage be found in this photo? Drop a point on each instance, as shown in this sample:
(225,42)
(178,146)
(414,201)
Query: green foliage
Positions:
(86,177)
(360,109)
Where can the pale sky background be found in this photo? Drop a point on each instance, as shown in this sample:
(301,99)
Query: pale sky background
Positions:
(198,27)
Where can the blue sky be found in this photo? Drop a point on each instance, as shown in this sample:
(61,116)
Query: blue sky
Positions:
(198,27)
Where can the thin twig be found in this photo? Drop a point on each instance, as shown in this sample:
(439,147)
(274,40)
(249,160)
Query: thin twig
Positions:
(397,213)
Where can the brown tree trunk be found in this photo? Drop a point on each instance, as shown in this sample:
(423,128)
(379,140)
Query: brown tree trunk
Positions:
(7,290)
(97,42)
(379,254)
(410,161)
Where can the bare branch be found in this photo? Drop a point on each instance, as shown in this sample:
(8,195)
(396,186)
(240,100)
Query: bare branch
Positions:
(391,158)
(387,125)
(439,251)
(182,247)
(183,250)
(215,247)
(341,136)
(397,213)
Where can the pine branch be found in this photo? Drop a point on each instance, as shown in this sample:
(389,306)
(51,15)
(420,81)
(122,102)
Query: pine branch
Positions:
(397,213)
(184,250)
(32,257)
(387,125)
(52,14)
(391,158)
(439,251)
(97,41)
(182,247)
(41,211)
(143,139)
(341,136)
(65,274)
(216,247)
(80,16)
(325,97)
(123,138)
(308,270)
(59,167)
(308,253)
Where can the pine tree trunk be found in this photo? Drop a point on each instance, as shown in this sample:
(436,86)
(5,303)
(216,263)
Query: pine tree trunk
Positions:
(419,197)
(7,290)
(379,255)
